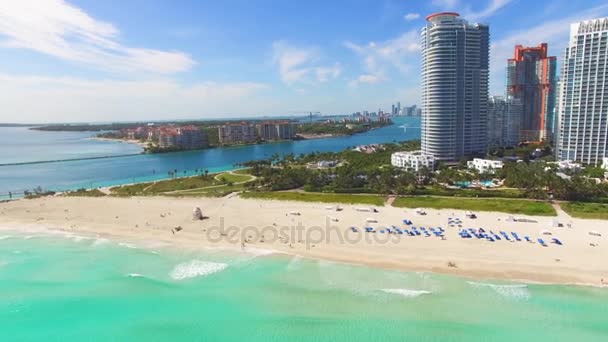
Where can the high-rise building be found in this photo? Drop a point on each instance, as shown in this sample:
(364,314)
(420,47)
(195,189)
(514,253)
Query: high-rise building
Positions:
(504,118)
(583,102)
(455,71)
(236,132)
(531,77)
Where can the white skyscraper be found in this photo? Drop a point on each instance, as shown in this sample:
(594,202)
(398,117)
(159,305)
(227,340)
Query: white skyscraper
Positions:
(455,56)
(583,102)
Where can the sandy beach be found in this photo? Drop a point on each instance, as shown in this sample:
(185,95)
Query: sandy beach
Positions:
(317,230)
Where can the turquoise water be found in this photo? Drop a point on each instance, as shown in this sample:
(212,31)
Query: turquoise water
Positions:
(20,145)
(466,184)
(69,288)
(113,171)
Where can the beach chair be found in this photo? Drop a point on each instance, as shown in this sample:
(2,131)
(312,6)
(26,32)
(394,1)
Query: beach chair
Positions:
(556,241)
(527,239)
(515,236)
(542,242)
(353,229)
(489,238)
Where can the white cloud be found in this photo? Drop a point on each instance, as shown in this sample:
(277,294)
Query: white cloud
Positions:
(48,99)
(399,53)
(299,64)
(56,28)
(554,32)
(492,7)
(411,16)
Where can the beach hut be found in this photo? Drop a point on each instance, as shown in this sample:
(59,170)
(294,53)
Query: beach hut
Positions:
(295,213)
(371,220)
(594,233)
(197,214)
(470,215)
(363,209)
(546,232)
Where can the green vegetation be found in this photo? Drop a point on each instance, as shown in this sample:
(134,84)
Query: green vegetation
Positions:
(586,210)
(85,193)
(203,184)
(215,191)
(524,207)
(233,178)
(338,128)
(245,171)
(317,197)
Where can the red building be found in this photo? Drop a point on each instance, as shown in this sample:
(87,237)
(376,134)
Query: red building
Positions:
(531,77)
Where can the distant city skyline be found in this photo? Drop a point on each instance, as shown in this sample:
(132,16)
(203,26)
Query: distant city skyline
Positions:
(92,61)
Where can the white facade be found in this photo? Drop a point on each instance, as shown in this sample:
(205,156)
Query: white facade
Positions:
(455,71)
(413,161)
(583,109)
(569,165)
(485,165)
(605,167)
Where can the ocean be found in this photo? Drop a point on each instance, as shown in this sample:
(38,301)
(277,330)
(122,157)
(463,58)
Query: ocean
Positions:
(70,175)
(64,287)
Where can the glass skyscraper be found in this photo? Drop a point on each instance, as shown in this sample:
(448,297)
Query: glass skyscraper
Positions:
(455,71)
(583,103)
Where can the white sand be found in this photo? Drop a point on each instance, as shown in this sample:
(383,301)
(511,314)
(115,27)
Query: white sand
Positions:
(145,220)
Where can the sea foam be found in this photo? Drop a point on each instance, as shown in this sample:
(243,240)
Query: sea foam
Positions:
(515,291)
(196,268)
(407,292)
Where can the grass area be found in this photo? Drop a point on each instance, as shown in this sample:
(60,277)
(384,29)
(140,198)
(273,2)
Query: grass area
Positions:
(234,178)
(219,191)
(84,193)
(180,184)
(586,210)
(246,171)
(441,191)
(487,204)
(317,197)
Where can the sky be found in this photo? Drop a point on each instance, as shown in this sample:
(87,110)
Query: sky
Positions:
(100,61)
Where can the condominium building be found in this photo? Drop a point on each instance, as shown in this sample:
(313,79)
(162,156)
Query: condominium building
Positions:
(236,133)
(186,137)
(583,107)
(485,165)
(276,130)
(455,65)
(413,161)
(504,118)
(531,78)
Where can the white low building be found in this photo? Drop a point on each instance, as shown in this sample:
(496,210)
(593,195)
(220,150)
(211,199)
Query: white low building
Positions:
(413,161)
(485,165)
(568,165)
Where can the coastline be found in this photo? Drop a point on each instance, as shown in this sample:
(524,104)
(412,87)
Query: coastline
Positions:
(144,220)
(143,145)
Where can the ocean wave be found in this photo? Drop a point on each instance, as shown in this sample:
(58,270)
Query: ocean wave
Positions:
(135,275)
(127,245)
(407,292)
(196,268)
(100,241)
(513,291)
(4,237)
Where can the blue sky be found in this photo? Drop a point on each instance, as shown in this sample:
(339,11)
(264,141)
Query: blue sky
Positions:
(85,60)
